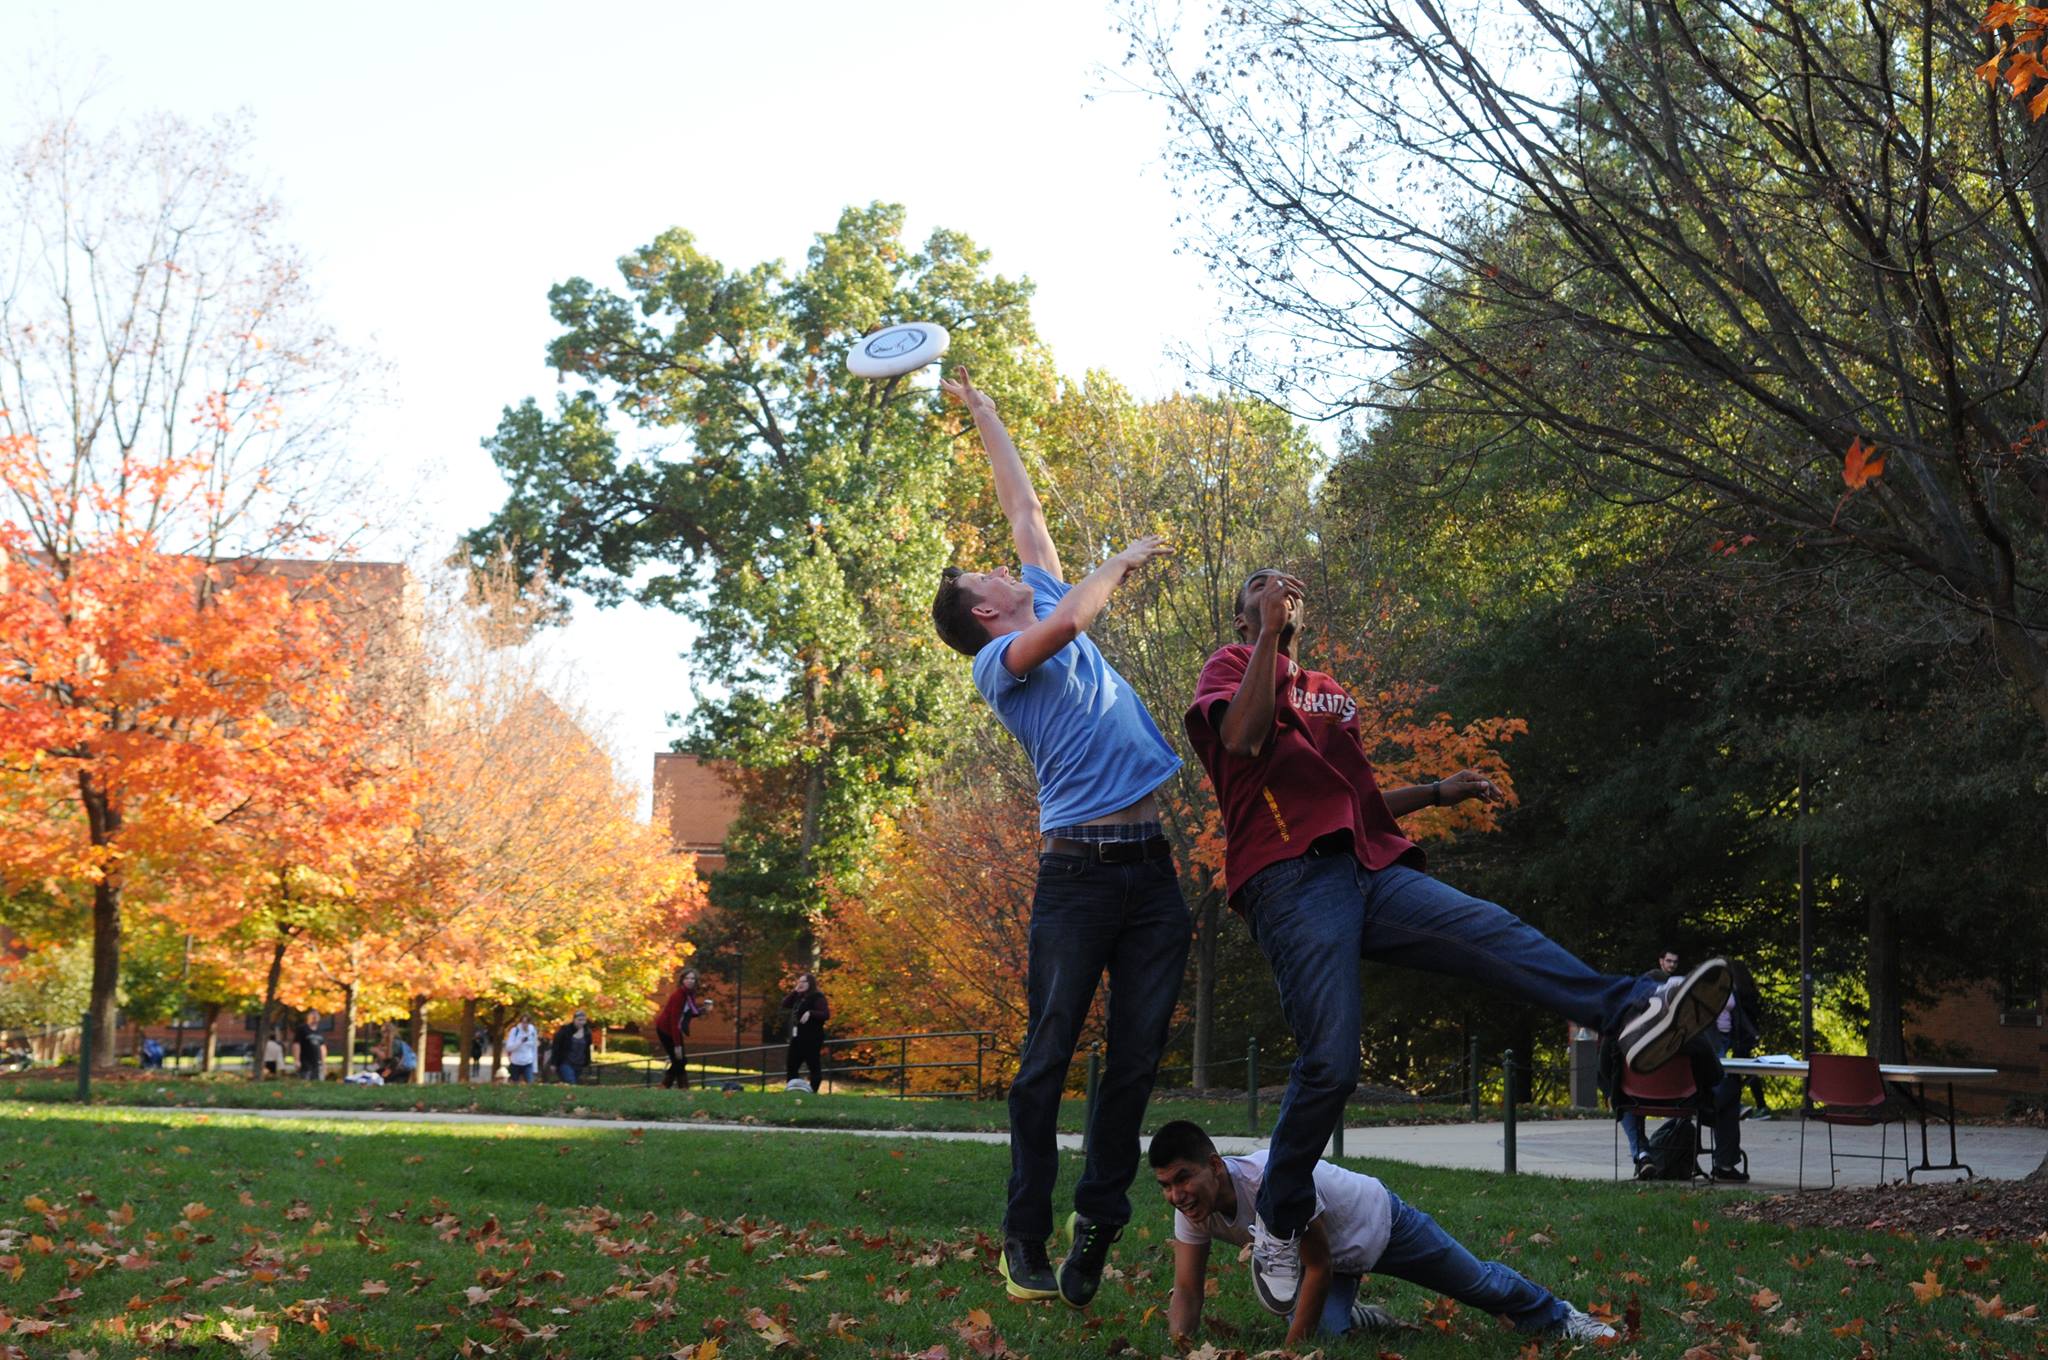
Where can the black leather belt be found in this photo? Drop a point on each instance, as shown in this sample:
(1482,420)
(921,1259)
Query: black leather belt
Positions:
(1110,852)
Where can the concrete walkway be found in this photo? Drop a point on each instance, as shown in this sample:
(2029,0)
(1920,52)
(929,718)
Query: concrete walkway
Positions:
(1572,1148)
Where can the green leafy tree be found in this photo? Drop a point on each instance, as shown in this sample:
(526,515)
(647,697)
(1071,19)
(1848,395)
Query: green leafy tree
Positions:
(718,460)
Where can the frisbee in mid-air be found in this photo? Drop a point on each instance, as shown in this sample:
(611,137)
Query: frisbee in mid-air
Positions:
(895,350)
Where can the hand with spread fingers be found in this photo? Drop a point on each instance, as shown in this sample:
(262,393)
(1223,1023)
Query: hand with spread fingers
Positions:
(961,388)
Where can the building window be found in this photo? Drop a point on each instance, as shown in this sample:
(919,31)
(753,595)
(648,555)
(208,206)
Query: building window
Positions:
(2019,994)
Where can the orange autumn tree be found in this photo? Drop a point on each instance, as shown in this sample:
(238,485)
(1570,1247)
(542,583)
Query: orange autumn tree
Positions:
(529,878)
(169,411)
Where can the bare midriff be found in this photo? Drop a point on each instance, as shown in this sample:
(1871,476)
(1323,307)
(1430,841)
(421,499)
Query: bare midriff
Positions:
(1146,809)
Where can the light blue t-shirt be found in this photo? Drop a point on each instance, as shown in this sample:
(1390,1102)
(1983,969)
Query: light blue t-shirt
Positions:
(1089,737)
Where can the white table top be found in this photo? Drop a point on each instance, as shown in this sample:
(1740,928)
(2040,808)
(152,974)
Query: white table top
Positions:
(1785,1065)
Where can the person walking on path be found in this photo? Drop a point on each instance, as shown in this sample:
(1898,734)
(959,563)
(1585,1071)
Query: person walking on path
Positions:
(522,1049)
(672,1027)
(570,1052)
(1107,896)
(808,1011)
(312,1047)
(1317,864)
(1360,1228)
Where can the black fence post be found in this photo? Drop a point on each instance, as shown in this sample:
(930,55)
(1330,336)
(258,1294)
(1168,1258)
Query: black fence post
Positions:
(1507,1140)
(978,1037)
(85,1056)
(1472,1074)
(1251,1084)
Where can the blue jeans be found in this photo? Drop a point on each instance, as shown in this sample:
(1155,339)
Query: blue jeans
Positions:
(1422,1253)
(1316,916)
(567,1072)
(521,1072)
(1087,917)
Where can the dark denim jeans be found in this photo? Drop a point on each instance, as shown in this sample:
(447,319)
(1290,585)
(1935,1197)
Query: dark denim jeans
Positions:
(1087,917)
(1315,917)
(1420,1252)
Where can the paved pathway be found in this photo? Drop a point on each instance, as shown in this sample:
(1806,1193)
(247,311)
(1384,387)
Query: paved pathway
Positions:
(1574,1148)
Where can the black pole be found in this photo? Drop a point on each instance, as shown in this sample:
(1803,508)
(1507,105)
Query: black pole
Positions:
(1507,1130)
(1805,924)
(85,1056)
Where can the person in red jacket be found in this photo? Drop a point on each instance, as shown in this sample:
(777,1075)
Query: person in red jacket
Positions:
(1316,862)
(672,1026)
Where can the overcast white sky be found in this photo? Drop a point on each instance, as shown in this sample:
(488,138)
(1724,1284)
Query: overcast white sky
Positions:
(444,163)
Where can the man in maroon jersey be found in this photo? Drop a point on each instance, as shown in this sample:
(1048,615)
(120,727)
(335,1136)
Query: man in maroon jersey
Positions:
(1318,866)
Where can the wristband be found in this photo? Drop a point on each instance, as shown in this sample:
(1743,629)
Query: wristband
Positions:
(1436,793)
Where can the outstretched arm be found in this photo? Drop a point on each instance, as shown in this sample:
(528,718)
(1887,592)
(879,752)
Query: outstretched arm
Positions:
(1190,1278)
(1014,492)
(1078,607)
(1443,793)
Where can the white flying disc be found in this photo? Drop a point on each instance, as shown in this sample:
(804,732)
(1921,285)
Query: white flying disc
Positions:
(799,1084)
(895,350)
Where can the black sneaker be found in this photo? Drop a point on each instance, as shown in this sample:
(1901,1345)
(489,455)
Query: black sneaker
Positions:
(1674,1013)
(1734,1175)
(1080,1275)
(1026,1271)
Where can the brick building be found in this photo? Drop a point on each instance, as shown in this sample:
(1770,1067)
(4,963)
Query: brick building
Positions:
(1992,1024)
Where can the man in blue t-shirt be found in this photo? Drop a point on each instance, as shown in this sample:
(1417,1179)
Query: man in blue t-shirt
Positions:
(1107,896)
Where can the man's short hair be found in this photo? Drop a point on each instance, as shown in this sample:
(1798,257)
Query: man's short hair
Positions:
(953,615)
(1180,1141)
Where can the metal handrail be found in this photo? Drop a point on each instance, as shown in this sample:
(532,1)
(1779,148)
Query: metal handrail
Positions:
(902,1067)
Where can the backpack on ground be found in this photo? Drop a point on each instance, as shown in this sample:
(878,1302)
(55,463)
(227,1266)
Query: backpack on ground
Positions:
(1671,1153)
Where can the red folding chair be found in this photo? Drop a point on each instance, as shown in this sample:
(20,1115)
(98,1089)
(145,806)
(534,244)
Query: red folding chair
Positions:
(1670,1093)
(1844,1088)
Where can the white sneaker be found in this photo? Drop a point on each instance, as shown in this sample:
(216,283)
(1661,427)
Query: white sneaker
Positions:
(1674,1013)
(1276,1268)
(1370,1317)
(1578,1326)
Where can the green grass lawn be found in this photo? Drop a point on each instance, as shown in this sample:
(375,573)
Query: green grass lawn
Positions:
(130,1232)
(645,1103)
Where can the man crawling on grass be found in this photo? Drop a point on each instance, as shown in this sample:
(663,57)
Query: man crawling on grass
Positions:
(1359,1228)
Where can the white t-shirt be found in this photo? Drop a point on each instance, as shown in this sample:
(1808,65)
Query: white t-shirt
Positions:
(522,1045)
(1356,1213)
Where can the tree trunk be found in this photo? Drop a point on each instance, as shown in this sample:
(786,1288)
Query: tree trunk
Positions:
(270,1025)
(348,1026)
(1205,990)
(418,1039)
(465,1063)
(1884,976)
(103,823)
(209,1047)
(501,1018)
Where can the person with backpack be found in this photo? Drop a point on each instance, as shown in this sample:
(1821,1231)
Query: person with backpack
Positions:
(522,1049)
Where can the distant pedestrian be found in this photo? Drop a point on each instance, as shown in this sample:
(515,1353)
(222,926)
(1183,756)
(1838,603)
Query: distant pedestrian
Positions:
(522,1048)
(273,1055)
(570,1052)
(1747,1032)
(399,1062)
(1632,1123)
(808,1011)
(152,1054)
(672,1027)
(312,1048)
